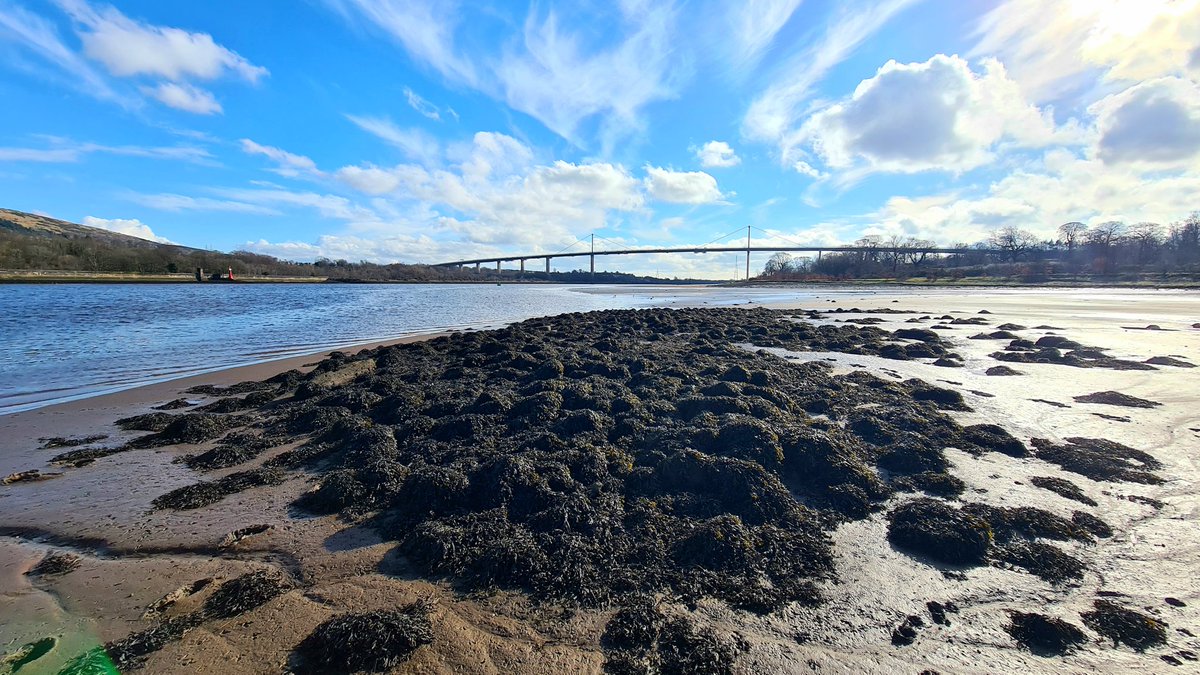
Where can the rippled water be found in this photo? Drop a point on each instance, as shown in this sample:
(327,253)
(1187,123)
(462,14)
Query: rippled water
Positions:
(61,342)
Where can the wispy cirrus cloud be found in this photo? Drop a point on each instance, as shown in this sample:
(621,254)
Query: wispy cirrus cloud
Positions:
(65,150)
(554,72)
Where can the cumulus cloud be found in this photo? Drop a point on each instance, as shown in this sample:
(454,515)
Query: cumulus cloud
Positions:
(288,164)
(717,154)
(132,227)
(777,110)
(921,116)
(681,187)
(1156,122)
(127,47)
(185,97)
(1061,187)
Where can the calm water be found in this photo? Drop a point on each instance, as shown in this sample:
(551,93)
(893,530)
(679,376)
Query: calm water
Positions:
(60,342)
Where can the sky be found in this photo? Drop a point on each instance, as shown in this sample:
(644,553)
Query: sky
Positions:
(436,130)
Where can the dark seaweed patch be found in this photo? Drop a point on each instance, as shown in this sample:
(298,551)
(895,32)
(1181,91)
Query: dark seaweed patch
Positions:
(1062,487)
(1044,635)
(1100,459)
(369,641)
(1125,626)
(1118,399)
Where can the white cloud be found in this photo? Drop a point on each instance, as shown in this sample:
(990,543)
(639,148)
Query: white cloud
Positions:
(553,72)
(418,103)
(369,180)
(185,97)
(40,37)
(49,155)
(413,142)
(289,164)
(1054,54)
(922,116)
(805,169)
(1156,122)
(64,150)
(717,154)
(425,28)
(127,47)
(755,24)
(327,205)
(177,203)
(776,112)
(132,227)
(1061,187)
(555,80)
(682,187)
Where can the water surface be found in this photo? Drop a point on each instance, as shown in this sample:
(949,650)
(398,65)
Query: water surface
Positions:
(61,342)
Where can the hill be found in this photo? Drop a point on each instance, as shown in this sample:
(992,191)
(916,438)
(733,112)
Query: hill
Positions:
(29,242)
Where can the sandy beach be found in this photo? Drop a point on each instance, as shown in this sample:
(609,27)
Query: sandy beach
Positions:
(132,555)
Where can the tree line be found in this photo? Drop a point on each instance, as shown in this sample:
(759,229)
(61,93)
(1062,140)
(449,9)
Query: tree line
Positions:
(1109,249)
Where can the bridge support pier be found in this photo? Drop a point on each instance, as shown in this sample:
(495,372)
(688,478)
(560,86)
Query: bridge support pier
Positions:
(497,265)
(476,267)
(593,257)
(547,264)
(522,268)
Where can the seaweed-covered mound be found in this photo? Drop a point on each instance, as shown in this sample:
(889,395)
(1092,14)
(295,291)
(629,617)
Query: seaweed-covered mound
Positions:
(585,457)
(1100,459)
(55,564)
(940,531)
(368,641)
(1122,625)
(641,638)
(1044,635)
(1050,349)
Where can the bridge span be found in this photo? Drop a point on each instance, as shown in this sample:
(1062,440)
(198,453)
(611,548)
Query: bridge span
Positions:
(521,258)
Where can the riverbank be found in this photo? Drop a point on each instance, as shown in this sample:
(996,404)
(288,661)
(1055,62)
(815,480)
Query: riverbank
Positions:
(132,554)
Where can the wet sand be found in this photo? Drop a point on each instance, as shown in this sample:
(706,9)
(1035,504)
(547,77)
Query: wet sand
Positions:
(132,556)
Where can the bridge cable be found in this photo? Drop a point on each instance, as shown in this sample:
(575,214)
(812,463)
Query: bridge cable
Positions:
(724,236)
(579,240)
(777,236)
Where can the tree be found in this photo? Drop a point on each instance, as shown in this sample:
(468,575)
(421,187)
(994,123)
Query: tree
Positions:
(778,264)
(1148,237)
(1012,241)
(1071,234)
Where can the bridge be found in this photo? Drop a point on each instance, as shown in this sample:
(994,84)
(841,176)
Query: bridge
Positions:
(748,248)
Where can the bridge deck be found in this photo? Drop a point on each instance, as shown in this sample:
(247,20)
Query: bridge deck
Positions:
(718,249)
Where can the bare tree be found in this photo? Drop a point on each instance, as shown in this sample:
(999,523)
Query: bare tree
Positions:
(1071,234)
(780,263)
(1148,237)
(1013,241)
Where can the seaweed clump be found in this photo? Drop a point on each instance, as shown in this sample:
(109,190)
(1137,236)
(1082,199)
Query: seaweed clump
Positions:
(1100,459)
(210,492)
(243,594)
(641,638)
(1122,625)
(1044,635)
(55,564)
(1118,399)
(368,641)
(1062,487)
(940,531)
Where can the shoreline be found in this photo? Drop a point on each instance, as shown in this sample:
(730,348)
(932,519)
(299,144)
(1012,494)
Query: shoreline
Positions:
(147,555)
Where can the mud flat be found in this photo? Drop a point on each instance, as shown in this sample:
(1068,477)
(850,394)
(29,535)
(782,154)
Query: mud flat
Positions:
(838,487)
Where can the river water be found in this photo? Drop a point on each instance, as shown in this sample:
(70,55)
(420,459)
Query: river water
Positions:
(69,341)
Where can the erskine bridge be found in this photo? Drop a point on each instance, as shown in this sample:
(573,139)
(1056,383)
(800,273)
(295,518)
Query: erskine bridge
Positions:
(748,248)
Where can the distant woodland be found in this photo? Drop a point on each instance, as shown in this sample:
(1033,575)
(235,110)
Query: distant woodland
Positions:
(1108,251)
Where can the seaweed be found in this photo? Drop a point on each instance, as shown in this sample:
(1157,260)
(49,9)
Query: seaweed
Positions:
(940,531)
(210,492)
(1100,459)
(1118,399)
(1062,487)
(1044,635)
(1047,562)
(244,593)
(369,641)
(641,638)
(1122,625)
(55,564)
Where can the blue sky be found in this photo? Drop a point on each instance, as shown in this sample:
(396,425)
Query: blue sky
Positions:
(431,130)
